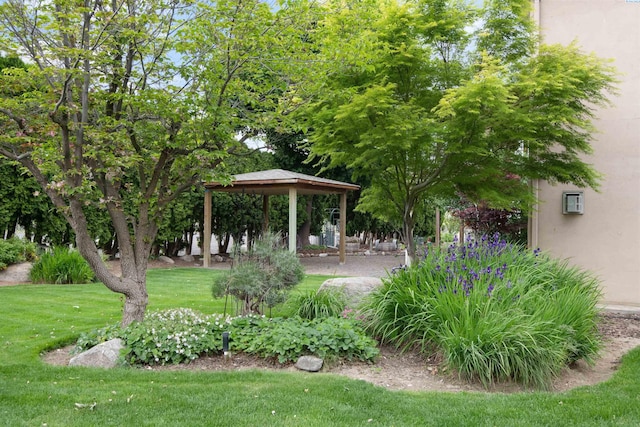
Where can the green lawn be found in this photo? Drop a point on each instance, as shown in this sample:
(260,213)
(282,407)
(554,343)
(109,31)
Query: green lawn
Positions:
(39,317)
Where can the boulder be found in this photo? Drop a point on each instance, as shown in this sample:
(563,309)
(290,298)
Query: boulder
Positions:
(187,258)
(354,288)
(166,259)
(103,355)
(352,246)
(386,246)
(18,273)
(309,363)
(218,258)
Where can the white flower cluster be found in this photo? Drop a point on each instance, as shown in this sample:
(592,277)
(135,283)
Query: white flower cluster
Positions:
(181,334)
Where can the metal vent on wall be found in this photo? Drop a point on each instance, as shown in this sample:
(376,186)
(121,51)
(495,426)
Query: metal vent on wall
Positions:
(573,202)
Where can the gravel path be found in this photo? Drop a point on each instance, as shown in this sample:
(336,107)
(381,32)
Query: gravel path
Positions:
(355,265)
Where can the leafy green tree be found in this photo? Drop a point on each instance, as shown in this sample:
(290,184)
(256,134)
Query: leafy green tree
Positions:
(23,202)
(426,107)
(126,105)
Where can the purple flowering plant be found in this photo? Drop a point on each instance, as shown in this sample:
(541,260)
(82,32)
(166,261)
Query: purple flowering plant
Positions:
(495,310)
(475,266)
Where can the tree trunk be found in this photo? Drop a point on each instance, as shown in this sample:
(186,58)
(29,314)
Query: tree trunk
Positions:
(189,237)
(132,283)
(223,243)
(251,236)
(135,302)
(11,227)
(408,225)
(134,257)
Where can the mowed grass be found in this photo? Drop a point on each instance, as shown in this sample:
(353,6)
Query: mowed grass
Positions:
(34,318)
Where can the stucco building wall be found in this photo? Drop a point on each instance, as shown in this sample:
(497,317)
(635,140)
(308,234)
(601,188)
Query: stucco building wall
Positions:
(606,238)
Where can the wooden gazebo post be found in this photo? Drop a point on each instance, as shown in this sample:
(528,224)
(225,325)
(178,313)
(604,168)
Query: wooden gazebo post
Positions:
(343,227)
(265,213)
(206,241)
(293,219)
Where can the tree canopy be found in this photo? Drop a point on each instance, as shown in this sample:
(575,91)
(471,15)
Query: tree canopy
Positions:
(126,105)
(442,97)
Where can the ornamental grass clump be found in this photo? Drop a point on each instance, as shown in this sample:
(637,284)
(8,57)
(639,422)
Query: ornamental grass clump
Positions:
(61,266)
(320,303)
(497,311)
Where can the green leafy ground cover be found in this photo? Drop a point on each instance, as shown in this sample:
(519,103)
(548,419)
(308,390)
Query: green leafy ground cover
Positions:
(40,317)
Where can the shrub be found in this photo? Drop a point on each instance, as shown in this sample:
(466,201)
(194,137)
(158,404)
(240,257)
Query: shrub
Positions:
(320,304)
(61,266)
(14,250)
(174,336)
(497,311)
(262,276)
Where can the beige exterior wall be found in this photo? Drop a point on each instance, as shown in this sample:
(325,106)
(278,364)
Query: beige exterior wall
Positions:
(606,238)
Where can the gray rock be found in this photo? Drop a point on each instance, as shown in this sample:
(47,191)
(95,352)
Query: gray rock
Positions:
(354,288)
(187,258)
(386,246)
(309,363)
(218,258)
(166,259)
(18,273)
(352,246)
(103,355)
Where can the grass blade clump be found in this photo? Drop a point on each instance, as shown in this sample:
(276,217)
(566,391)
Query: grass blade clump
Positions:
(318,304)
(495,310)
(61,266)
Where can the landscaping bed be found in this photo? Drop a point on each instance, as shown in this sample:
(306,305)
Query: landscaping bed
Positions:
(411,371)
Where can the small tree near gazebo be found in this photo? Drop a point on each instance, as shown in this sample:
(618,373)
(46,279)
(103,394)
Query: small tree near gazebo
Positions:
(262,276)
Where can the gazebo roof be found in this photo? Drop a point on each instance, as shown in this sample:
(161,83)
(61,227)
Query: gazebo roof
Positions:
(279,181)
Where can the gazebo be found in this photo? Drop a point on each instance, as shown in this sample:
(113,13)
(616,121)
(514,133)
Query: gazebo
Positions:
(279,182)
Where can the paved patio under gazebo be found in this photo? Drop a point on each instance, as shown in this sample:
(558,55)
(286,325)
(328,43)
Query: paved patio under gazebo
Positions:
(279,182)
